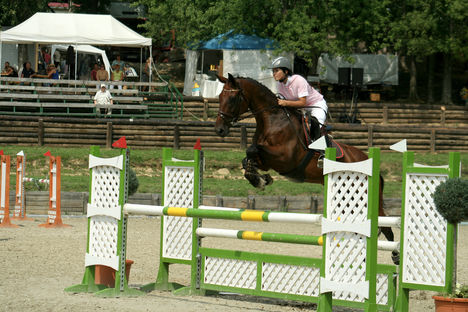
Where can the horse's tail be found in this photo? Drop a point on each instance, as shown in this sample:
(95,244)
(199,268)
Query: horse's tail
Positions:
(381,210)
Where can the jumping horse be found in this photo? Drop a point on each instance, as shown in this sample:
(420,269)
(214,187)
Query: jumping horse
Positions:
(279,142)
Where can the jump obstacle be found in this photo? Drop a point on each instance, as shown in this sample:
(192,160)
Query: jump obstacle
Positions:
(54,215)
(347,275)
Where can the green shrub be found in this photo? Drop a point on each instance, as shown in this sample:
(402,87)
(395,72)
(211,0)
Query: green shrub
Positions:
(451,200)
(133,182)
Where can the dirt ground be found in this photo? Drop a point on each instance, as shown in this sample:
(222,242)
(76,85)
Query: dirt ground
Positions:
(36,264)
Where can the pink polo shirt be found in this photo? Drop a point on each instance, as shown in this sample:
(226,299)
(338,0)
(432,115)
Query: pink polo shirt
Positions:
(297,87)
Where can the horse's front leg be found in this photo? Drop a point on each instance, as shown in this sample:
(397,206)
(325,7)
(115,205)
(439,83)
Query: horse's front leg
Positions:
(251,165)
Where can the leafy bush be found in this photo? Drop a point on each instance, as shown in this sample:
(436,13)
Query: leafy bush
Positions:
(133,182)
(451,200)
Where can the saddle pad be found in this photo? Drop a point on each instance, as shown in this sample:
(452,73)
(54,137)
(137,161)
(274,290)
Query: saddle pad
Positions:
(339,149)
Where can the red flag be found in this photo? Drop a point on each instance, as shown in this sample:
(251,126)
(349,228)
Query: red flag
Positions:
(48,153)
(1,152)
(197,145)
(120,143)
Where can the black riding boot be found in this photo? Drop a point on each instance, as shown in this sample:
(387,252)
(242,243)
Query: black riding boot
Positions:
(315,135)
(314,128)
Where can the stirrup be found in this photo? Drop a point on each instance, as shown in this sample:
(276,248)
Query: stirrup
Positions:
(320,161)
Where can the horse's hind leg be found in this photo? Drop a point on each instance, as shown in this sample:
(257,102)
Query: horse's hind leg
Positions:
(388,233)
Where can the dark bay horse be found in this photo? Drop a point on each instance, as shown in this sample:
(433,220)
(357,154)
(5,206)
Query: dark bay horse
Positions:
(279,141)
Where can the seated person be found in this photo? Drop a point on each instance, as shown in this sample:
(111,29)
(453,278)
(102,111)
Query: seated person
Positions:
(129,71)
(117,75)
(52,72)
(102,74)
(28,72)
(103,97)
(118,61)
(9,71)
(94,71)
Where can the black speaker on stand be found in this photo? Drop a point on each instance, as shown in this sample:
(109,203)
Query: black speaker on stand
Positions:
(357,78)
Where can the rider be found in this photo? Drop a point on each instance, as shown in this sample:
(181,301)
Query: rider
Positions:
(298,93)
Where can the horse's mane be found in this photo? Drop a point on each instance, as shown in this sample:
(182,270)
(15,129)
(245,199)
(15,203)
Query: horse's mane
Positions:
(267,92)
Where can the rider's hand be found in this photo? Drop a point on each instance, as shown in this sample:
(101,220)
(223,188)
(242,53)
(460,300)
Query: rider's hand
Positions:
(282,102)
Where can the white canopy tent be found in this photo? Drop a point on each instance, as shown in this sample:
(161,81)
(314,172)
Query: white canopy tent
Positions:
(86,49)
(73,29)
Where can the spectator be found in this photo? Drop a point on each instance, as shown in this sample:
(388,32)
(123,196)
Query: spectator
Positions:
(9,71)
(46,56)
(129,71)
(103,97)
(102,74)
(117,75)
(94,71)
(27,72)
(118,61)
(146,73)
(57,58)
(52,72)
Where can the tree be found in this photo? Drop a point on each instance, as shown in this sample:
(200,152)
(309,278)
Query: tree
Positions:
(423,28)
(307,28)
(92,6)
(13,13)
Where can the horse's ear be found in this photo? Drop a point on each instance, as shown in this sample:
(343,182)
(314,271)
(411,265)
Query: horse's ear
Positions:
(221,78)
(232,80)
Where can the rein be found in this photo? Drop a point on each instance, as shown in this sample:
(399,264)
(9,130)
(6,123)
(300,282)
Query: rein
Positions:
(295,130)
(233,119)
(229,118)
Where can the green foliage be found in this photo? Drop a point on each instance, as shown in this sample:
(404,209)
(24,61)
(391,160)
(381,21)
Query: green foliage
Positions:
(133,182)
(451,200)
(13,13)
(461,291)
(92,6)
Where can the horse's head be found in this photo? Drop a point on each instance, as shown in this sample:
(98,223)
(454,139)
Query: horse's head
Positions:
(232,104)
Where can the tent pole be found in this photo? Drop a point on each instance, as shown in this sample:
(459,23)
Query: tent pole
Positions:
(1,47)
(151,64)
(141,60)
(36,58)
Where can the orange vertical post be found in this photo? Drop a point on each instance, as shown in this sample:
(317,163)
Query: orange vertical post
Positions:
(5,193)
(54,215)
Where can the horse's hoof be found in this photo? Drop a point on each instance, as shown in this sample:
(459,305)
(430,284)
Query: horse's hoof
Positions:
(268,179)
(396,257)
(255,180)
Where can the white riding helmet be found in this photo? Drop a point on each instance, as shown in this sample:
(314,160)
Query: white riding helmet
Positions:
(281,62)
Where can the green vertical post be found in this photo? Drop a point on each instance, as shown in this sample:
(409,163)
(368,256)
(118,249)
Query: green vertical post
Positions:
(372,214)
(403,293)
(325,299)
(452,229)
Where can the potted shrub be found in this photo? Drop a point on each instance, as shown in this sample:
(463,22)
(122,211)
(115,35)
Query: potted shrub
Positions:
(451,200)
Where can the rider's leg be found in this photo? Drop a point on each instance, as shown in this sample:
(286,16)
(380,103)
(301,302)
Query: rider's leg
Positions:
(314,128)
(318,117)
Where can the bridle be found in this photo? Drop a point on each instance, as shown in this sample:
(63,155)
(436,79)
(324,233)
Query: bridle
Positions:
(229,118)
